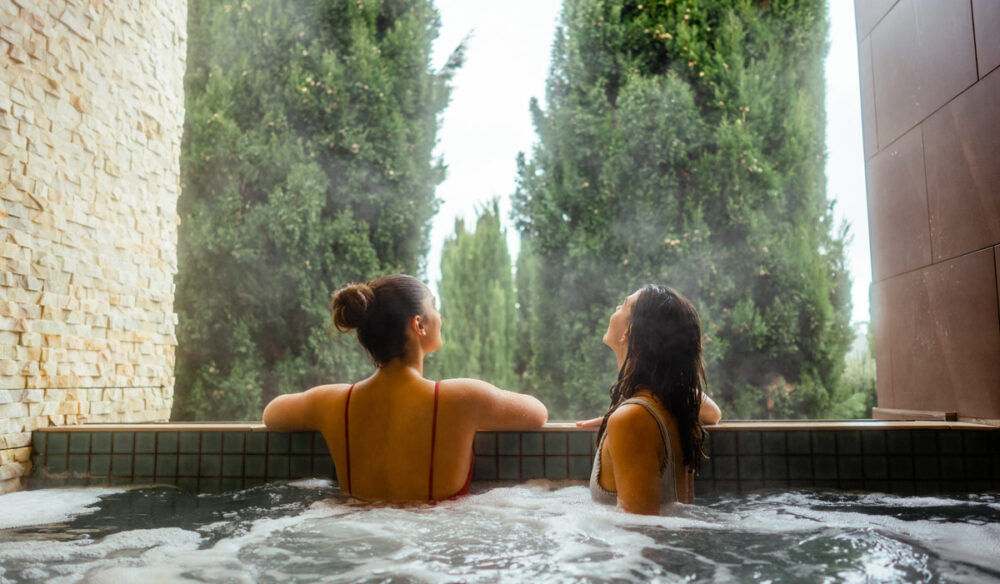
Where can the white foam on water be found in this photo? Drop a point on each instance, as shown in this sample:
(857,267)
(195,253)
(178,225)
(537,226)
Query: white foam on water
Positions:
(975,544)
(311,484)
(530,532)
(64,562)
(44,506)
(86,548)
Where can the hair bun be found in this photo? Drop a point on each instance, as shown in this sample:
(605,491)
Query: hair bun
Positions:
(351,306)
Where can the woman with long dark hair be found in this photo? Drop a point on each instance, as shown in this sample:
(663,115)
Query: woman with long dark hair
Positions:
(395,435)
(651,438)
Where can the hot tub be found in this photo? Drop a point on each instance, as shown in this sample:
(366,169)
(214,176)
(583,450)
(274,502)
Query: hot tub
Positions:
(539,531)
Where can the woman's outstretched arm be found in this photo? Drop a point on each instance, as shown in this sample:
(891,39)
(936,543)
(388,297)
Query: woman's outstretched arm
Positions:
(296,411)
(709,413)
(496,409)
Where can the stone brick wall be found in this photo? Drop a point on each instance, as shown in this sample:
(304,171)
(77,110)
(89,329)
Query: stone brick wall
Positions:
(91,116)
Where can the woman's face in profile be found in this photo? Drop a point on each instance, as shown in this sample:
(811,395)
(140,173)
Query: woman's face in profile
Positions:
(617,333)
(432,324)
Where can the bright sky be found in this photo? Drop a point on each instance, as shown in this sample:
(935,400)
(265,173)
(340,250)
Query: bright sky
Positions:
(507,62)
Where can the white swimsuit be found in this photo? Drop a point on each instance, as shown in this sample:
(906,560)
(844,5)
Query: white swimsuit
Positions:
(668,486)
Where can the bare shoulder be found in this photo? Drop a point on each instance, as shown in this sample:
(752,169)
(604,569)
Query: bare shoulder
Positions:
(632,421)
(322,392)
(329,388)
(467,385)
(472,392)
(492,408)
(301,411)
(630,413)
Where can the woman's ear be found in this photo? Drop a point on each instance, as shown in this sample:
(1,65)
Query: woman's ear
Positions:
(417,324)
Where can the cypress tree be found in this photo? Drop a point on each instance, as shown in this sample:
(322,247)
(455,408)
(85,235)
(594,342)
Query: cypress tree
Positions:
(306,164)
(477,304)
(683,144)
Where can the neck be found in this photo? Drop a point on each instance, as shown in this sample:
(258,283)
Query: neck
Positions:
(412,363)
(399,368)
(620,356)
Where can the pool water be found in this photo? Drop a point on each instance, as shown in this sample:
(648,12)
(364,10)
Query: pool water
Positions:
(308,531)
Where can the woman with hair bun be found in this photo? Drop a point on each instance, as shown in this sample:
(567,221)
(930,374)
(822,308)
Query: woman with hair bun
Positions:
(395,435)
(650,441)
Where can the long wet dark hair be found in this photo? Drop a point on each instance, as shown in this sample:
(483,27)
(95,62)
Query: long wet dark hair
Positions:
(664,357)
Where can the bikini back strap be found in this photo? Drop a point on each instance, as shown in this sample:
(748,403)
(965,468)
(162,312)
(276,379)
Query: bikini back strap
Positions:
(647,404)
(347,436)
(434,419)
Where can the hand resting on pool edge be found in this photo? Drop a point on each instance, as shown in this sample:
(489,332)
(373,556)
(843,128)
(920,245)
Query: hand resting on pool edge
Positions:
(396,435)
(651,438)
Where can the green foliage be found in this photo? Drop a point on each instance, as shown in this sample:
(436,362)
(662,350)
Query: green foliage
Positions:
(856,394)
(477,304)
(683,144)
(306,164)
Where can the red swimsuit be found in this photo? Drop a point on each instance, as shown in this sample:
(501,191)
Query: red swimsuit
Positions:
(430,481)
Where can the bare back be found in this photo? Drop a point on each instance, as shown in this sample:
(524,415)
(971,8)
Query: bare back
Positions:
(382,434)
(391,429)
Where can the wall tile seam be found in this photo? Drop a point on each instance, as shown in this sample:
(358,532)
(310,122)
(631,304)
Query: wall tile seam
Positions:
(996,278)
(976,80)
(988,73)
(927,191)
(991,246)
(879,21)
(930,115)
(975,45)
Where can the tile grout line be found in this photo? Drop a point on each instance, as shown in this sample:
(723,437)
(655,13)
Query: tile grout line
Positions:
(975,45)
(812,460)
(135,444)
(861,459)
(736,452)
(836,459)
(566,453)
(788,466)
(198,475)
(243,462)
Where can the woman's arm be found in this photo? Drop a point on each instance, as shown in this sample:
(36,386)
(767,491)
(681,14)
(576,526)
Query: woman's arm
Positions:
(295,411)
(496,409)
(709,413)
(633,439)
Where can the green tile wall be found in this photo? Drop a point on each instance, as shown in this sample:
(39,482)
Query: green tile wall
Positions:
(204,461)
(898,460)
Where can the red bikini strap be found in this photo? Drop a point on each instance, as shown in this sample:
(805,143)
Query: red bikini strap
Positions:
(347,437)
(430,485)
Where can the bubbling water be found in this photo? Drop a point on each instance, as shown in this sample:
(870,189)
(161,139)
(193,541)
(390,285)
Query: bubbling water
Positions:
(310,532)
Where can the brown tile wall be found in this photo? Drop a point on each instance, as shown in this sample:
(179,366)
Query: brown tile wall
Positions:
(986,18)
(962,145)
(900,231)
(929,92)
(923,55)
(868,99)
(869,12)
(996,256)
